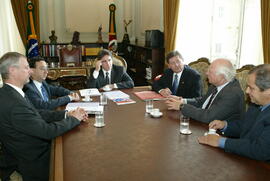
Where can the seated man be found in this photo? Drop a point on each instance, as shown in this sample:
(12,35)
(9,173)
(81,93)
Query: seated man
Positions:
(178,79)
(223,100)
(42,94)
(107,74)
(250,136)
(26,133)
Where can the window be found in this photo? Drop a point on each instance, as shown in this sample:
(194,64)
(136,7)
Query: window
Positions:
(9,34)
(220,28)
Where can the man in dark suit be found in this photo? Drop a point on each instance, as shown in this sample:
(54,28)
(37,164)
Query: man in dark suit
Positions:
(223,100)
(40,93)
(25,133)
(250,136)
(108,76)
(178,79)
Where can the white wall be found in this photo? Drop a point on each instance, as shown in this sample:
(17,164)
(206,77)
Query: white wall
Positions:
(145,15)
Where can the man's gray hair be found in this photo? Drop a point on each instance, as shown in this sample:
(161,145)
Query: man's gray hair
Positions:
(262,73)
(8,60)
(227,70)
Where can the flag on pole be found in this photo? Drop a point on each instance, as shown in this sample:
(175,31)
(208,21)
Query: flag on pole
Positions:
(32,43)
(112,29)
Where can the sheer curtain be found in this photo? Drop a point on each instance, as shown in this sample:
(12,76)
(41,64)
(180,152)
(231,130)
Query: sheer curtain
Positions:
(9,34)
(220,28)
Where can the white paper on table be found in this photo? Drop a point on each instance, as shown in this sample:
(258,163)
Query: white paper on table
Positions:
(89,107)
(116,94)
(89,92)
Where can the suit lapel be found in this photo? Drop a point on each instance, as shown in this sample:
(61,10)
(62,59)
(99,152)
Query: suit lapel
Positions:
(113,73)
(35,88)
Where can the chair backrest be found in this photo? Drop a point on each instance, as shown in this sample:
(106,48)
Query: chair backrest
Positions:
(201,65)
(118,60)
(70,56)
(241,75)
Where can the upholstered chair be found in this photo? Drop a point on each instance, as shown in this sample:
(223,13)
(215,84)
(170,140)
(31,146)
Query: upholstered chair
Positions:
(70,56)
(201,65)
(241,75)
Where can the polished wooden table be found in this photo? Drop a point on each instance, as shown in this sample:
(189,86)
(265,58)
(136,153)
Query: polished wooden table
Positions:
(135,147)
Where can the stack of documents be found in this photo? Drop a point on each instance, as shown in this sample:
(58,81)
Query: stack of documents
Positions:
(116,95)
(89,107)
(89,92)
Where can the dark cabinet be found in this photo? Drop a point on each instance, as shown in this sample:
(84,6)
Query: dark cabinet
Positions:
(144,63)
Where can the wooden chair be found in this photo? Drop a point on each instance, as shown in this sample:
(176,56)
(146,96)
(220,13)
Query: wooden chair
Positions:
(118,60)
(241,75)
(201,65)
(70,56)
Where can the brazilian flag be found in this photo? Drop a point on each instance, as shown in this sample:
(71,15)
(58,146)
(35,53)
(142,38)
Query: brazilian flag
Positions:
(32,43)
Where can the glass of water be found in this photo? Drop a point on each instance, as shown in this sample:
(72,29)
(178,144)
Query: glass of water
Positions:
(184,125)
(149,106)
(99,120)
(103,99)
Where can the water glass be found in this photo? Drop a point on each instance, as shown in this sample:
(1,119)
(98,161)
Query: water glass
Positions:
(99,120)
(149,106)
(103,99)
(184,125)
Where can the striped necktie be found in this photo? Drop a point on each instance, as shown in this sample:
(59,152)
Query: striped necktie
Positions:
(214,92)
(44,94)
(175,84)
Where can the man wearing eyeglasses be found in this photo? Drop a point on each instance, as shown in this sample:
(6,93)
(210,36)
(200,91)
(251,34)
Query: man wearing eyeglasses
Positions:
(41,93)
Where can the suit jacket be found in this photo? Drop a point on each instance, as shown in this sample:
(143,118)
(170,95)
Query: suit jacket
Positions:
(26,134)
(253,132)
(227,105)
(35,96)
(118,77)
(190,84)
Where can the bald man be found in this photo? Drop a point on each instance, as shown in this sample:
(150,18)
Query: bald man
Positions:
(224,99)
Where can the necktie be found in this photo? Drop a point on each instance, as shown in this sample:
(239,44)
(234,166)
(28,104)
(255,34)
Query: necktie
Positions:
(44,94)
(175,84)
(214,92)
(107,80)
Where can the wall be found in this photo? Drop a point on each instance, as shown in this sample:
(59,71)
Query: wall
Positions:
(54,13)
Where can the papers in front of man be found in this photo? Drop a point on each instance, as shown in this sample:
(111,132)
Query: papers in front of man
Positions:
(89,107)
(145,95)
(89,92)
(116,94)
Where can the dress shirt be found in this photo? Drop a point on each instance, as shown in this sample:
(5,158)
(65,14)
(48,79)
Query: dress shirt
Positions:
(96,74)
(219,88)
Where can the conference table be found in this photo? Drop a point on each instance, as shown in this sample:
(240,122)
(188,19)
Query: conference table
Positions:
(134,146)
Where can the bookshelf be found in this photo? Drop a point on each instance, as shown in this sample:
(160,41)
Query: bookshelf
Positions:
(144,63)
(51,52)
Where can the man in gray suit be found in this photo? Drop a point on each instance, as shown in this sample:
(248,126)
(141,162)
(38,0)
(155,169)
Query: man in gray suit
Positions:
(224,99)
(26,133)
(108,76)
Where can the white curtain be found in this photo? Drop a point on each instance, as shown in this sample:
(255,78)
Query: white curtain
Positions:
(10,39)
(220,28)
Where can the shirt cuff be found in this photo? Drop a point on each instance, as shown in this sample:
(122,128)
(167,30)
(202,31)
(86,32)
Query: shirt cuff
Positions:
(115,86)
(221,143)
(184,101)
(225,127)
(95,74)
(70,98)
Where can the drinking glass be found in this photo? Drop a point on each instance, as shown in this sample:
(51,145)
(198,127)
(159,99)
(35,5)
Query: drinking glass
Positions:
(149,106)
(184,125)
(99,120)
(103,99)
